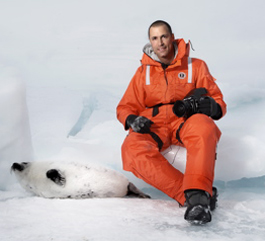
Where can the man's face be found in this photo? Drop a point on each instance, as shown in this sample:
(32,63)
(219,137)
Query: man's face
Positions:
(162,42)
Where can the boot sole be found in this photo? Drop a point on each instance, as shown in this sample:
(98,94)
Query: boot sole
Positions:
(198,215)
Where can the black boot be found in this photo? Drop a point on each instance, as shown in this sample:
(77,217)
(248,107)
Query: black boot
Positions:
(213,199)
(198,207)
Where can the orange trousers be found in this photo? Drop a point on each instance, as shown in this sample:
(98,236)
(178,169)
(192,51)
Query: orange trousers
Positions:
(199,135)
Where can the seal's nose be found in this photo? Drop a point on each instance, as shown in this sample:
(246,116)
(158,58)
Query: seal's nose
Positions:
(17,167)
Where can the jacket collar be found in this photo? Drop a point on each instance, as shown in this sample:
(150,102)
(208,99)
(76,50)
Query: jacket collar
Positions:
(150,58)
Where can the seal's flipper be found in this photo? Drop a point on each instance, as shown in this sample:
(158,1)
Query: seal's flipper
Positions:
(133,191)
(56,176)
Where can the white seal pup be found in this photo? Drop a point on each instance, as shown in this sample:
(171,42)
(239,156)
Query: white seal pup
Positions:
(73,180)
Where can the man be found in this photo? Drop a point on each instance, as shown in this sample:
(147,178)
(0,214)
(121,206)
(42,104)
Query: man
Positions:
(151,110)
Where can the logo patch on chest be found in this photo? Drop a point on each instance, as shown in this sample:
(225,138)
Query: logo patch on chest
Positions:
(182,75)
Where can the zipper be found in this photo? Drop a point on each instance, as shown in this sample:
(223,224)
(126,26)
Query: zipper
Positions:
(165,76)
(165,98)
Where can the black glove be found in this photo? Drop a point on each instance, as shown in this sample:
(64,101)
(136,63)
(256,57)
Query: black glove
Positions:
(139,124)
(208,106)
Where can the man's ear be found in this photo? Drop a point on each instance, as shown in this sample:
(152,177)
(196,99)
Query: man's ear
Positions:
(173,36)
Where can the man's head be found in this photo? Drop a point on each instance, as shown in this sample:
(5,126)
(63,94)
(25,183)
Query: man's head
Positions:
(161,39)
(158,23)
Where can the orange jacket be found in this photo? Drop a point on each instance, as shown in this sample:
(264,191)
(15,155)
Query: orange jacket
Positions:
(152,85)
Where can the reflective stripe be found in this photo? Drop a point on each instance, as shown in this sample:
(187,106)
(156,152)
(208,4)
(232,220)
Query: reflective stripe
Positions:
(189,70)
(147,75)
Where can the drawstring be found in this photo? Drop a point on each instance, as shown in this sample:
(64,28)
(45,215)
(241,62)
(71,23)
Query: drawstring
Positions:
(191,45)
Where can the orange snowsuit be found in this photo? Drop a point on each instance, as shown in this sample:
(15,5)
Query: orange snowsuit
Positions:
(151,93)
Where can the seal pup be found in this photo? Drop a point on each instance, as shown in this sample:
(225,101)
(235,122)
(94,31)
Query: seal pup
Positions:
(73,180)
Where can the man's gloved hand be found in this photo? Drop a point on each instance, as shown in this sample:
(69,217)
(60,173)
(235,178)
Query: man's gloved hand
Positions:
(139,124)
(208,106)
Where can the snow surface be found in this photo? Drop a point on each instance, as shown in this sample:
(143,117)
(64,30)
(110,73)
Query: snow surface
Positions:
(64,67)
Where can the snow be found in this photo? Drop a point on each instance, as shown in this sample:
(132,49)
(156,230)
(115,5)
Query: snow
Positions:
(239,216)
(64,67)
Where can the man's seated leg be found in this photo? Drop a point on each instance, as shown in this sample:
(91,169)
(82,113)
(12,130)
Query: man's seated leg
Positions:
(141,155)
(200,136)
